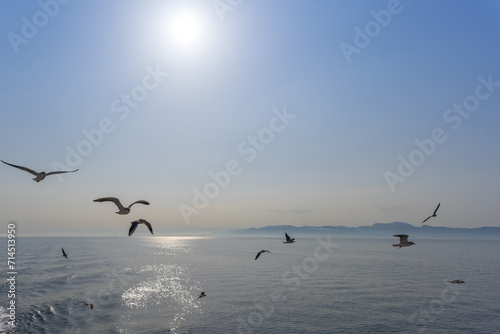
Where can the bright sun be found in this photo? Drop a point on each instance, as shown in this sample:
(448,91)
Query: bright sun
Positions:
(185,30)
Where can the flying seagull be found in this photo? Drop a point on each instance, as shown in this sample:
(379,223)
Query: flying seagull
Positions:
(288,239)
(122,210)
(433,215)
(39,176)
(403,241)
(262,251)
(456,281)
(202,294)
(88,304)
(136,223)
(64,253)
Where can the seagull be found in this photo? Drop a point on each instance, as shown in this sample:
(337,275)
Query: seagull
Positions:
(64,253)
(87,304)
(202,294)
(39,176)
(403,241)
(136,223)
(123,210)
(433,215)
(288,239)
(456,281)
(262,251)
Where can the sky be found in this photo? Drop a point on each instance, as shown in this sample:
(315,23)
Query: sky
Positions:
(234,114)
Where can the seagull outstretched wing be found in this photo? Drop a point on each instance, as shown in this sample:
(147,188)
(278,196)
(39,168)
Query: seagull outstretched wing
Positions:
(402,237)
(148,224)
(62,172)
(262,251)
(111,199)
(26,169)
(436,209)
(133,227)
(426,219)
(140,201)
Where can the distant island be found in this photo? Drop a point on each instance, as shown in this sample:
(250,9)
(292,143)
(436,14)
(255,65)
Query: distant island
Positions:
(375,230)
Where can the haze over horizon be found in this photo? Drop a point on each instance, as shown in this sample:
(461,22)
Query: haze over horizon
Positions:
(260,113)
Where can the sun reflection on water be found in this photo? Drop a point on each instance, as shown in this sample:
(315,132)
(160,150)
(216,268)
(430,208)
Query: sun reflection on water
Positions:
(164,286)
(172,245)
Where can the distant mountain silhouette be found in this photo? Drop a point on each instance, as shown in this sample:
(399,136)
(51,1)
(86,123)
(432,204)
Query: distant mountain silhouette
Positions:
(375,230)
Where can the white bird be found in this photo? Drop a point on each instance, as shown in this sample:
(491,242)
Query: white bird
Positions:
(288,239)
(403,241)
(122,210)
(64,253)
(136,223)
(39,176)
(433,215)
(262,251)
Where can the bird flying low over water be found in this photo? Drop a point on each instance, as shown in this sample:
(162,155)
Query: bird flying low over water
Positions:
(433,215)
(456,281)
(403,241)
(122,210)
(64,253)
(88,304)
(288,239)
(136,223)
(262,251)
(202,294)
(39,176)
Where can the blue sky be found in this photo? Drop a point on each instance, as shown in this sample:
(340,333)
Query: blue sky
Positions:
(174,103)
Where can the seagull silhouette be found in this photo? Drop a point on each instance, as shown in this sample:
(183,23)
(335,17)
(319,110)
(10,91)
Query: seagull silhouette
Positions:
(433,215)
(403,241)
(262,251)
(288,239)
(88,304)
(136,223)
(39,176)
(122,210)
(202,294)
(64,253)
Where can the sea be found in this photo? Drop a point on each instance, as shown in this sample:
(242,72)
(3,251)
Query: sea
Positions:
(318,284)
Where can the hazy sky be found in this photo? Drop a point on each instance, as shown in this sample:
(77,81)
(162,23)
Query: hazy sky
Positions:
(305,112)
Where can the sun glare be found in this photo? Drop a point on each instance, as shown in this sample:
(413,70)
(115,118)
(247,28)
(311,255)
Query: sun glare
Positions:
(185,30)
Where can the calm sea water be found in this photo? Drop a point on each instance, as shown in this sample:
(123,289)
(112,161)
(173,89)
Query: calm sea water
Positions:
(151,285)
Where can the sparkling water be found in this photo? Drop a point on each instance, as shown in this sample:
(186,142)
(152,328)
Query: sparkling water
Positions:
(315,285)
